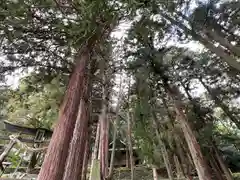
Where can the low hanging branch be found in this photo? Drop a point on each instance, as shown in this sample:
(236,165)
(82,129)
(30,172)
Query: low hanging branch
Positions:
(14,138)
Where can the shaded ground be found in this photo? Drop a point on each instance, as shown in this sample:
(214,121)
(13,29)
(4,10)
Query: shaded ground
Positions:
(141,173)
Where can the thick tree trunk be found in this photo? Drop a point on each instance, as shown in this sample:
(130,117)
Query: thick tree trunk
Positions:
(222,164)
(220,104)
(130,148)
(74,164)
(216,171)
(104,130)
(214,165)
(55,159)
(104,123)
(186,160)
(195,150)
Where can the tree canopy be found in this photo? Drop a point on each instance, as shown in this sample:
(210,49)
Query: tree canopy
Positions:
(173,99)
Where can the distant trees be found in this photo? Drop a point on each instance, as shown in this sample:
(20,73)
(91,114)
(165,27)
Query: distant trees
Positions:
(160,114)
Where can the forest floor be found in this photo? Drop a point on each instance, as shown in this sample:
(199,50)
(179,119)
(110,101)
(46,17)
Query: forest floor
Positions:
(141,173)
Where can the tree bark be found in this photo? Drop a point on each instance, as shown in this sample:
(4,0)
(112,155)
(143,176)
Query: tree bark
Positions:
(217,173)
(222,164)
(55,159)
(74,164)
(186,160)
(195,150)
(104,124)
(130,148)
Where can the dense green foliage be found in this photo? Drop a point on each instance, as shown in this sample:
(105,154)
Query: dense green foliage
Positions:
(36,104)
(43,37)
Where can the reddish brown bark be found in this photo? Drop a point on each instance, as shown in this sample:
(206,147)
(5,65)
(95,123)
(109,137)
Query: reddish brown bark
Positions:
(195,150)
(75,158)
(104,127)
(216,171)
(222,164)
(54,162)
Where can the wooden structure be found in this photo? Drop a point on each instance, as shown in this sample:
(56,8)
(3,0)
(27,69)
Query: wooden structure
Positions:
(40,135)
(122,155)
(27,130)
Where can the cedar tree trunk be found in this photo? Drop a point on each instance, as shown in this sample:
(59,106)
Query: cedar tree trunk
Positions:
(57,153)
(74,164)
(195,150)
